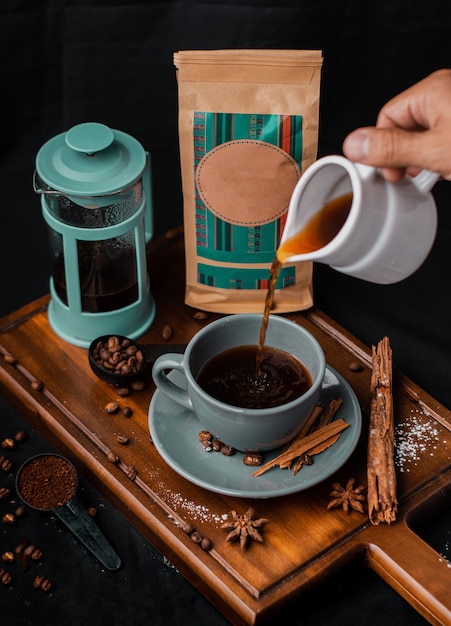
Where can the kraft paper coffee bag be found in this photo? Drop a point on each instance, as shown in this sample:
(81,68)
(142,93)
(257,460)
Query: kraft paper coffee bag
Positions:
(248,128)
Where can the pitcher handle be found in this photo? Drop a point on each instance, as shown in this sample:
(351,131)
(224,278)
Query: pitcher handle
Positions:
(425,180)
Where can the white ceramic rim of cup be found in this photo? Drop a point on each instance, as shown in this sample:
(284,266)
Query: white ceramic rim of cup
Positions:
(354,211)
(317,382)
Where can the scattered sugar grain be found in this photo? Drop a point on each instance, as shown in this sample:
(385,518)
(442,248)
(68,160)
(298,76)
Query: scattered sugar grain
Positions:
(178,502)
(168,563)
(414,438)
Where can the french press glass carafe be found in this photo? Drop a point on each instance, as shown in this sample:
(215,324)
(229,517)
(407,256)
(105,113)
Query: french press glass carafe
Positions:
(95,187)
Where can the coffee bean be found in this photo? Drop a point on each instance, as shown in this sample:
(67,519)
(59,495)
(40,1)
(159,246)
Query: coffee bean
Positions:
(37,385)
(46,585)
(200,315)
(206,445)
(36,555)
(112,458)
(9,519)
(167,332)
(111,407)
(217,445)
(138,385)
(172,233)
(92,511)
(131,472)
(20,511)
(127,411)
(21,547)
(8,443)
(196,537)
(4,493)
(122,367)
(253,458)
(123,392)
(29,549)
(5,577)
(206,544)
(354,366)
(227,451)
(5,463)
(122,439)
(20,436)
(188,528)
(19,551)
(140,357)
(204,435)
(307,459)
(112,343)
(8,557)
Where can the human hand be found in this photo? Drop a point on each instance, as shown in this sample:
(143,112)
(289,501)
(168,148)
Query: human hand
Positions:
(412,132)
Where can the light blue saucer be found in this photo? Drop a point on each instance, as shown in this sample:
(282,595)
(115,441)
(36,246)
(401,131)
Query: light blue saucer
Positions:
(174,433)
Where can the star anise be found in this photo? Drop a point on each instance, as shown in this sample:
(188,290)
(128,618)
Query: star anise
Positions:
(243,527)
(348,496)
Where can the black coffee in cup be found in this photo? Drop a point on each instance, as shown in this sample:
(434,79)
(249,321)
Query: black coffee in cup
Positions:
(231,377)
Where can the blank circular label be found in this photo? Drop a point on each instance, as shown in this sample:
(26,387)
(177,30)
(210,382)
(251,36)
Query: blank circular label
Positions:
(247,182)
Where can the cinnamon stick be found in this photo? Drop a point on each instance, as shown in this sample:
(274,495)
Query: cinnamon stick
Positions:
(329,411)
(320,447)
(326,415)
(304,444)
(381,476)
(306,429)
(320,417)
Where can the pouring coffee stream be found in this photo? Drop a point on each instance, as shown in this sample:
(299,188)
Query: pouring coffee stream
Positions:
(319,230)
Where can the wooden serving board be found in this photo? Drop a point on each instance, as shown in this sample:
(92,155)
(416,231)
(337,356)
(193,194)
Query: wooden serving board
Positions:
(304,542)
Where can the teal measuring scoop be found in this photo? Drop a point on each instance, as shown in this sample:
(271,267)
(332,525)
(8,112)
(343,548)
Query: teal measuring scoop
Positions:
(48,482)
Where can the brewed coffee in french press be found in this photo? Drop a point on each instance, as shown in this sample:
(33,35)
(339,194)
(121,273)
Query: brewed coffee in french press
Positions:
(95,187)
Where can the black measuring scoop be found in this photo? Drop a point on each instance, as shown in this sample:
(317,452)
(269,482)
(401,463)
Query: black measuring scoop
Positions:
(48,482)
(118,360)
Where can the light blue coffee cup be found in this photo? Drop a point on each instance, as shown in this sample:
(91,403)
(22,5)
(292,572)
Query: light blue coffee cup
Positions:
(242,428)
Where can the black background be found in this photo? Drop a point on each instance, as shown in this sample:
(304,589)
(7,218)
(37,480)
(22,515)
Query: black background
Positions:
(63,63)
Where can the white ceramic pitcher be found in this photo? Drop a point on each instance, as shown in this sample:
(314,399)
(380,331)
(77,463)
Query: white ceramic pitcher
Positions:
(389,229)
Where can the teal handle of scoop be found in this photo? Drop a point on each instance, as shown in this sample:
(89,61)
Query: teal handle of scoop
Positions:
(78,520)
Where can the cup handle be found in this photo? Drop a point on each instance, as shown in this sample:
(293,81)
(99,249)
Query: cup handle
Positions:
(425,180)
(171,361)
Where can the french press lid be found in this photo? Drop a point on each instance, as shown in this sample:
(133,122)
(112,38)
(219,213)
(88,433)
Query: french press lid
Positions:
(90,159)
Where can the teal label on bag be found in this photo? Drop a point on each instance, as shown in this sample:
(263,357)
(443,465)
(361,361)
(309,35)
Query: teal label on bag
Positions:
(246,167)
(230,278)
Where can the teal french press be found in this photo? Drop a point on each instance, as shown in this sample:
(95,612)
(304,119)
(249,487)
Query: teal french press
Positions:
(96,198)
